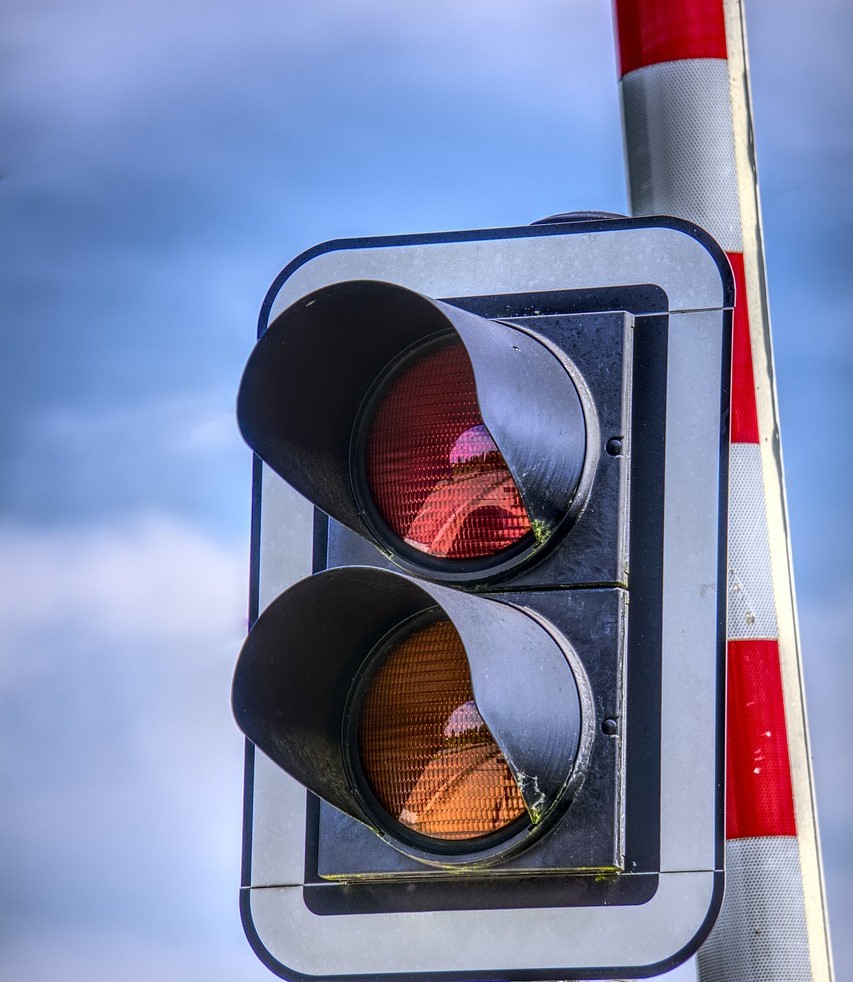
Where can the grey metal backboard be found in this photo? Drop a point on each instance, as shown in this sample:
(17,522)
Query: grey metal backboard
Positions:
(575,941)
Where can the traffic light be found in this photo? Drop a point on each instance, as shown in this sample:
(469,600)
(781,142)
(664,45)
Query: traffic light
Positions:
(486,733)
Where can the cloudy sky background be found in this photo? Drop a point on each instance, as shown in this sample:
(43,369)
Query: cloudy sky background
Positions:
(160,163)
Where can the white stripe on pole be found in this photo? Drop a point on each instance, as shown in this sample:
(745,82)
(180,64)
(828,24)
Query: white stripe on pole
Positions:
(678,125)
(763,880)
(752,608)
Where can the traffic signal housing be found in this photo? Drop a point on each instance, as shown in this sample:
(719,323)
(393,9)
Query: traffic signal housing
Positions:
(502,686)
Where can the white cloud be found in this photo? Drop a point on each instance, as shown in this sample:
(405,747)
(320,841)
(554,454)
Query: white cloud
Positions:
(94,63)
(103,41)
(149,578)
(179,423)
(104,954)
(119,760)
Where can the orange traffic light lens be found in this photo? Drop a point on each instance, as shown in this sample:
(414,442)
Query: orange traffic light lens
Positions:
(434,472)
(425,751)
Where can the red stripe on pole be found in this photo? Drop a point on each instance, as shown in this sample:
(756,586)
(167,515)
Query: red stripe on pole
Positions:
(651,31)
(759,799)
(744,421)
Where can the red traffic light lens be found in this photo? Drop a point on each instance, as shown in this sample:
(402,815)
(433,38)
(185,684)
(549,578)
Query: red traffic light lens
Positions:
(424,749)
(434,472)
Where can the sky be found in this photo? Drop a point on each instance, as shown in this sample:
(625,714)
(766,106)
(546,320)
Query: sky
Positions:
(160,163)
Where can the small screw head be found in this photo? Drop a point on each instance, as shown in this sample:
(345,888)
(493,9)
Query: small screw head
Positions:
(609,727)
(614,446)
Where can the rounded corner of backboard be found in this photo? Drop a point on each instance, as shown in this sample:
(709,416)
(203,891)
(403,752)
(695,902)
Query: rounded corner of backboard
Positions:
(259,946)
(698,938)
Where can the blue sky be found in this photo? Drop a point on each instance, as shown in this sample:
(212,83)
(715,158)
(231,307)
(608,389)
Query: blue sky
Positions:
(160,163)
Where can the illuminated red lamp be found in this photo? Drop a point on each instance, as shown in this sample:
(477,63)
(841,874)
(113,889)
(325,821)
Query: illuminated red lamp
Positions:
(434,472)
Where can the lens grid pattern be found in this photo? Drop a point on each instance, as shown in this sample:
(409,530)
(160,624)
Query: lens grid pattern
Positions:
(433,469)
(426,752)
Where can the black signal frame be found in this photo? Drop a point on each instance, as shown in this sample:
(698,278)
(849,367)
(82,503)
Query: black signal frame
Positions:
(531,842)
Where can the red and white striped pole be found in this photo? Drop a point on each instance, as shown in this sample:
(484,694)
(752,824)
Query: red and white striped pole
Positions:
(688,137)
